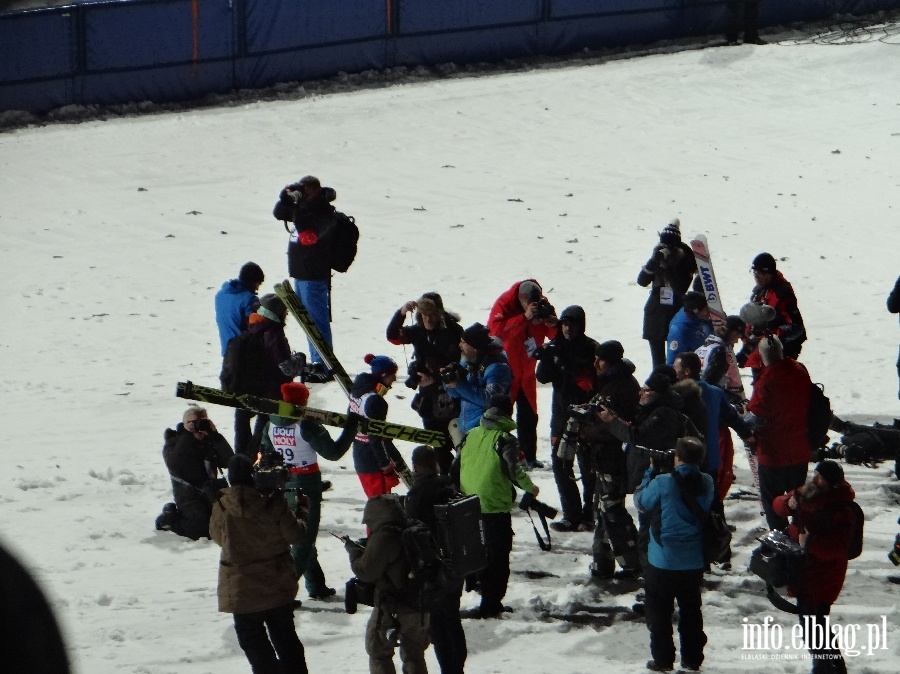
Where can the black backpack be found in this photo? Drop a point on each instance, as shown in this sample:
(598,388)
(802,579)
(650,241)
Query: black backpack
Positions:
(818,419)
(344,241)
(244,365)
(856,534)
(426,586)
(716,533)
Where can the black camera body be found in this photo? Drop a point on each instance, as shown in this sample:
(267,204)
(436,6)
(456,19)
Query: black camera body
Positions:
(202,425)
(529,502)
(450,374)
(544,308)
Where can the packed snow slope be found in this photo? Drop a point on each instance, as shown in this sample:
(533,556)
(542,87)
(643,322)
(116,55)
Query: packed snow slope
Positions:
(116,235)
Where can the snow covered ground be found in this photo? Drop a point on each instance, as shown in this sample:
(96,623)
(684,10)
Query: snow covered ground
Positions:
(116,235)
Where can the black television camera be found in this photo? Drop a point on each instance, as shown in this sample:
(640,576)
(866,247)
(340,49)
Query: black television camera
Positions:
(271,474)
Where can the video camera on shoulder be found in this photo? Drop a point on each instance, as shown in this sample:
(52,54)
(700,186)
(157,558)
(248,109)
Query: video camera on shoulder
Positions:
(271,474)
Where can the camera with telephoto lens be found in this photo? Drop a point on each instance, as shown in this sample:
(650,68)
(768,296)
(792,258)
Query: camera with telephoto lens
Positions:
(544,308)
(202,425)
(663,460)
(529,502)
(270,474)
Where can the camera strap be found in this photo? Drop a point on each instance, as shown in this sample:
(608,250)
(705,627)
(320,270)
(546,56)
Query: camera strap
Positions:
(542,544)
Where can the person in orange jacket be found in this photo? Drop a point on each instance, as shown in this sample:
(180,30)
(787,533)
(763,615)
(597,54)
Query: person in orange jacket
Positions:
(523,319)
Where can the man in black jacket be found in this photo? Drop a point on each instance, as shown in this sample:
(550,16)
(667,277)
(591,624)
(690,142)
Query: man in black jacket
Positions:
(446,630)
(668,272)
(567,362)
(194,453)
(317,245)
(435,339)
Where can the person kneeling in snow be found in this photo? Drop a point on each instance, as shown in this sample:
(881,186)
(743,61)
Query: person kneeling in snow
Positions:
(257,582)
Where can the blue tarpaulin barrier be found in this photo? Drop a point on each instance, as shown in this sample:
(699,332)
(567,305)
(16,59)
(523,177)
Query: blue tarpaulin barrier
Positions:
(174,50)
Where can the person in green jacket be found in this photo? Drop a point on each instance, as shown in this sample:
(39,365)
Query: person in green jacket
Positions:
(490,465)
(301,443)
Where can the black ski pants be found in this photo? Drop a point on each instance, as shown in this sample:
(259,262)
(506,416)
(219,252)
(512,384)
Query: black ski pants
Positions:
(279,651)
(576,507)
(526,426)
(245,442)
(615,537)
(774,481)
(447,635)
(498,536)
(824,660)
(662,587)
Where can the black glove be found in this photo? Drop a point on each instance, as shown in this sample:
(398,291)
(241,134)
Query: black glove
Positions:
(211,488)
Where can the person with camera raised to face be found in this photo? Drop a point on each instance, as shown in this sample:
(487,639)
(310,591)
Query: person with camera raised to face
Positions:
(822,522)
(435,339)
(194,453)
(482,374)
(300,443)
(255,528)
(668,272)
(657,425)
(567,362)
(318,243)
(523,319)
(675,568)
(488,465)
(615,537)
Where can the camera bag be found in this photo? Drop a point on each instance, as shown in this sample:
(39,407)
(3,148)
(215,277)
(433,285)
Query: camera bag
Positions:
(460,535)
(778,560)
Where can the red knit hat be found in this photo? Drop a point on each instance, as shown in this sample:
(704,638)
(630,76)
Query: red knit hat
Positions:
(295,393)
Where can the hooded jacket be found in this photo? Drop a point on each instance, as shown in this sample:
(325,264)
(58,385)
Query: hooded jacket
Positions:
(255,532)
(382,561)
(488,464)
(567,364)
(310,247)
(481,381)
(787,324)
(507,321)
(780,401)
(277,351)
(687,332)
(674,272)
(235,303)
(828,520)
(680,543)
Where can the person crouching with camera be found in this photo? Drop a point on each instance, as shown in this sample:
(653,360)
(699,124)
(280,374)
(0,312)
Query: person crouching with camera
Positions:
(675,556)
(257,582)
(488,464)
(822,523)
(194,453)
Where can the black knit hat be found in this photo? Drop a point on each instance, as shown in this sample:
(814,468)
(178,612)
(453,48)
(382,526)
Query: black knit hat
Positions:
(832,472)
(661,378)
(734,323)
(251,273)
(671,234)
(240,471)
(764,262)
(477,336)
(610,351)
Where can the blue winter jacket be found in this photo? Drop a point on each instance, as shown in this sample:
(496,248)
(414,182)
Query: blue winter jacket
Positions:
(680,544)
(234,304)
(686,333)
(482,382)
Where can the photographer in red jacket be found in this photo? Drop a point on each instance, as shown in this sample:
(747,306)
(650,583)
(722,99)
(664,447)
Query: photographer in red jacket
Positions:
(822,523)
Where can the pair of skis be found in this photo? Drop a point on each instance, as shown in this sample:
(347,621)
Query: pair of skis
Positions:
(735,385)
(190,391)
